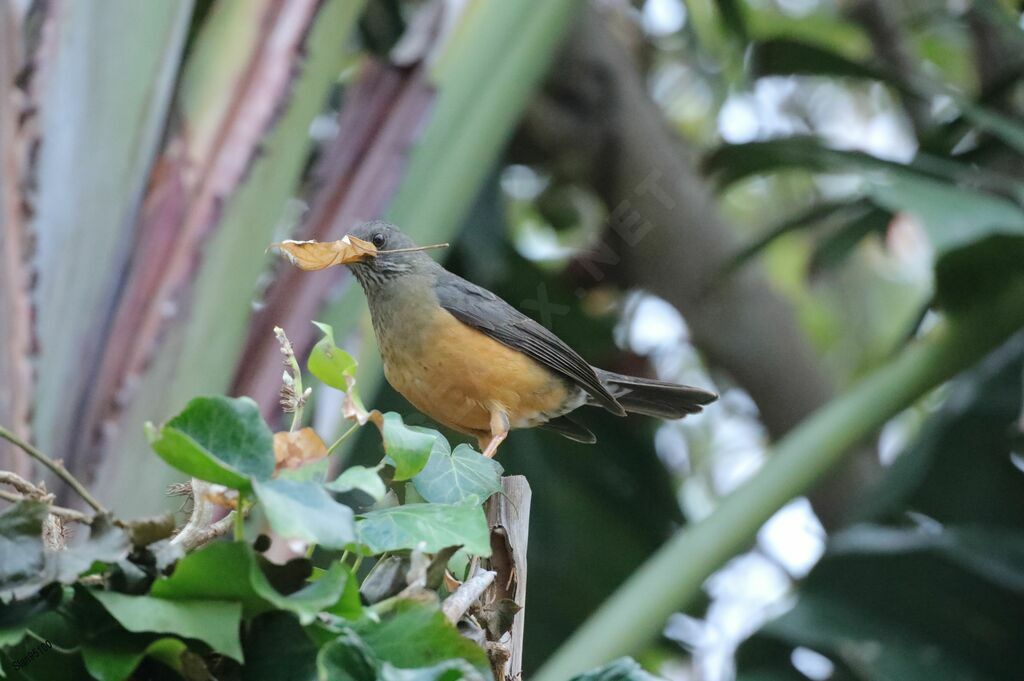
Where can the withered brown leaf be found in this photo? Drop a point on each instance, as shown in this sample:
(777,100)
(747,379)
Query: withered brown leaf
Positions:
(298,448)
(318,255)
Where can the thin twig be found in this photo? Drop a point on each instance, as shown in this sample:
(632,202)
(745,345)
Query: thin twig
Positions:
(456,605)
(56,466)
(66,513)
(22,485)
(344,436)
(207,534)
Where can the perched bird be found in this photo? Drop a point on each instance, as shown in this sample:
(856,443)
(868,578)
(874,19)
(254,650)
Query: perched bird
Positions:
(472,362)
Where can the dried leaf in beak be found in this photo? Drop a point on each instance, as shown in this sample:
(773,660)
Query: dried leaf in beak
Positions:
(318,255)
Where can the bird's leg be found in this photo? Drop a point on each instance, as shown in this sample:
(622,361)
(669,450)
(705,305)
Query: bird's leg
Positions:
(499,431)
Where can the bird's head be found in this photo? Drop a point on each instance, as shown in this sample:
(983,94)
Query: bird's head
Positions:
(393,254)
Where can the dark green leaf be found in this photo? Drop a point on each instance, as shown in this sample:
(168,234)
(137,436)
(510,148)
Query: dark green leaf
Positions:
(993,553)
(833,250)
(106,543)
(978,272)
(215,623)
(732,17)
(408,449)
(811,217)
(623,669)
(786,57)
(350,605)
(419,635)
(958,470)
(426,527)
(452,670)
(115,656)
(304,510)
(23,564)
(459,476)
(347,658)
(231,571)
(217,439)
(328,362)
(277,647)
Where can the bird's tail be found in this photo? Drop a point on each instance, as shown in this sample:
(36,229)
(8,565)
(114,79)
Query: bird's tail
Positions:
(655,398)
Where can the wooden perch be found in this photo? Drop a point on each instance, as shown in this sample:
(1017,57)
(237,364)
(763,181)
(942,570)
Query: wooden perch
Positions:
(508,515)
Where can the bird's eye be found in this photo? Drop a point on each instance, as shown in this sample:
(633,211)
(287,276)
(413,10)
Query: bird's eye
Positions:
(379,240)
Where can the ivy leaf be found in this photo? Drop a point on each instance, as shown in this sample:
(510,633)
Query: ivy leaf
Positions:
(408,449)
(115,656)
(347,658)
(304,510)
(215,623)
(231,571)
(278,647)
(22,559)
(456,477)
(218,439)
(329,363)
(26,566)
(361,478)
(418,635)
(426,527)
(452,670)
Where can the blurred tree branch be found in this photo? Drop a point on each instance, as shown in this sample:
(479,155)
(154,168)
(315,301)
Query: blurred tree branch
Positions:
(598,126)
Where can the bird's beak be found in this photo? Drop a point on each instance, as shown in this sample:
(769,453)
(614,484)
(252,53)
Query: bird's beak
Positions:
(318,255)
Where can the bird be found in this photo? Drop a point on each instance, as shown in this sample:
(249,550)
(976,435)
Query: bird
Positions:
(474,363)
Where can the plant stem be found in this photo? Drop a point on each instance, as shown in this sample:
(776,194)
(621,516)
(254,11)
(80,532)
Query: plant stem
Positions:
(55,466)
(636,613)
(66,513)
(344,436)
(240,518)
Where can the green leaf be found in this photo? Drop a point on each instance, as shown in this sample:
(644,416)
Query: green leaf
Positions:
(23,565)
(304,510)
(952,216)
(232,571)
(115,656)
(217,439)
(215,623)
(978,271)
(349,606)
(106,543)
(347,658)
(427,527)
(452,670)
(459,476)
(419,635)
(622,669)
(277,647)
(834,249)
(993,553)
(408,449)
(26,566)
(360,478)
(788,57)
(811,217)
(329,363)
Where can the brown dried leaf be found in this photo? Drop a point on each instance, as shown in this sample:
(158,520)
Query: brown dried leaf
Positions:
(318,255)
(293,449)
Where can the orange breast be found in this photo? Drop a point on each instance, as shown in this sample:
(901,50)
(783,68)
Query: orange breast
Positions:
(460,374)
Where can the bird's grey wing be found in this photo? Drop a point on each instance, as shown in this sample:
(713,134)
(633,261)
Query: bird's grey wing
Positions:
(486,312)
